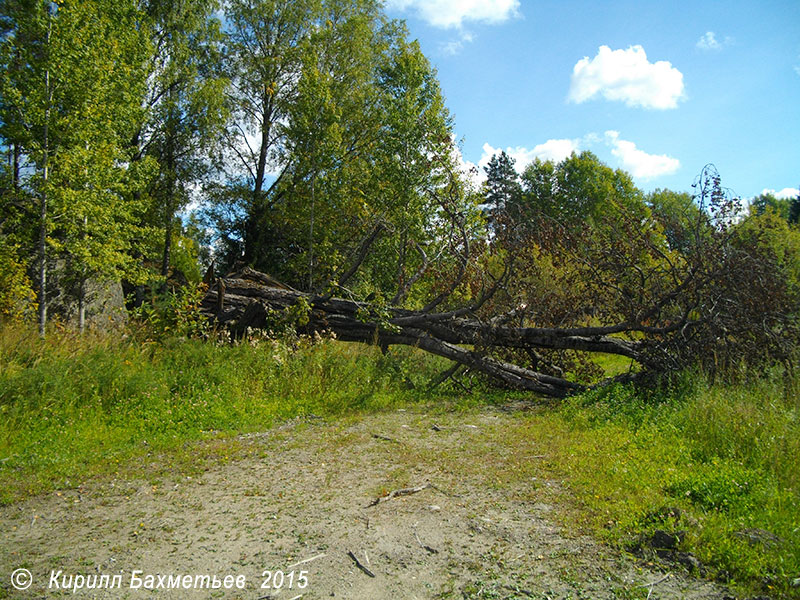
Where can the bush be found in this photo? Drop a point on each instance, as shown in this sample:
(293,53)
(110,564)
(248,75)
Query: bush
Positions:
(17,299)
(174,313)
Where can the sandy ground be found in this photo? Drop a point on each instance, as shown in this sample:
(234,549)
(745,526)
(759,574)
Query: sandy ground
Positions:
(297,499)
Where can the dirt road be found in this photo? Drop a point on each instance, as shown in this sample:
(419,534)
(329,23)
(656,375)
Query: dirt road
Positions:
(298,501)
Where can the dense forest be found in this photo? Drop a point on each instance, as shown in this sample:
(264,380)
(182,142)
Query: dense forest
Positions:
(150,142)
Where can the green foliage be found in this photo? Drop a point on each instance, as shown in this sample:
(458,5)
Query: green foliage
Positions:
(768,203)
(186,114)
(111,108)
(300,312)
(684,277)
(677,214)
(99,217)
(173,313)
(577,190)
(348,114)
(502,189)
(17,299)
(190,253)
(71,87)
(777,244)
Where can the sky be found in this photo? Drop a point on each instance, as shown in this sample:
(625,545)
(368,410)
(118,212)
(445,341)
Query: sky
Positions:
(659,89)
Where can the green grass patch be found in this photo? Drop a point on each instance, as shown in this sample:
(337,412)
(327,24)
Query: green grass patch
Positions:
(718,463)
(72,407)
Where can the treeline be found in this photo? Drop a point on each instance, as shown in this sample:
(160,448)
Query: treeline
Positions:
(309,130)
(314,137)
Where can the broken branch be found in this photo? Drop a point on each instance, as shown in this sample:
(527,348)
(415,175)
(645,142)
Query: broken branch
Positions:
(400,492)
(359,564)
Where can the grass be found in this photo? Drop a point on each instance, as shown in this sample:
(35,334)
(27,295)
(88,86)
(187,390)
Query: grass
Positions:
(713,461)
(72,407)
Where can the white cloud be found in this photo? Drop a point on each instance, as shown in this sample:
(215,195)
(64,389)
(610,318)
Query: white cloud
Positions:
(554,150)
(627,76)
(453,47)
(452,13)
(709,41)
(784,194)
(638,162)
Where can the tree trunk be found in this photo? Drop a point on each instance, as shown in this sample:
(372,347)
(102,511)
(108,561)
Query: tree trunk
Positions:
(43,201)
(167,239)
(43,258)
(251,226)
(82,305)
(248,299)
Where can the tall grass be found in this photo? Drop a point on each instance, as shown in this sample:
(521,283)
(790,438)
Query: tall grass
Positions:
(71,406)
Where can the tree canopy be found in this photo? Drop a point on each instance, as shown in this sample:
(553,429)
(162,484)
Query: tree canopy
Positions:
(315,139)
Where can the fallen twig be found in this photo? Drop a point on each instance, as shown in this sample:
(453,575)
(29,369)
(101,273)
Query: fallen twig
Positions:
(445,375)
(425,547)
(654,584)
(359,565)
(308,560)
(457,381)
(400,492)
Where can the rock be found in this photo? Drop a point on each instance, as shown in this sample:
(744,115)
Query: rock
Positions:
(689,561)
(105,309)
(665,540)
(105,301)
(755,536)
(723,576)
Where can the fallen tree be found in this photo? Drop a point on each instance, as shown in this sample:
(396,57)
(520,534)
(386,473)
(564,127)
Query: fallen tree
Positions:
(250,299)
(727,298)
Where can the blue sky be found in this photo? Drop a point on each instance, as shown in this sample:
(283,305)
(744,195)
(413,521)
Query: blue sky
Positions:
(659,89)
